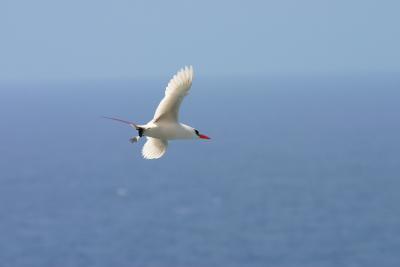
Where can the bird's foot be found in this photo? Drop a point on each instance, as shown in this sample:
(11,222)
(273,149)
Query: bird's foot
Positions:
(134,139)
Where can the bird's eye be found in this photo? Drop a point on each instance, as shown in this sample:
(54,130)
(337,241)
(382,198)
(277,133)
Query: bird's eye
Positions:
(197,132)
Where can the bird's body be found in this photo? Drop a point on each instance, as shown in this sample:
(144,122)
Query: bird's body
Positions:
(168,131)
(165,124)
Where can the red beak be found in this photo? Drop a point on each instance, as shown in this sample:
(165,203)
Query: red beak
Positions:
(202,136)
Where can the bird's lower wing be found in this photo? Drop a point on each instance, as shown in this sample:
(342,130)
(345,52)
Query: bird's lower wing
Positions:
(154,148)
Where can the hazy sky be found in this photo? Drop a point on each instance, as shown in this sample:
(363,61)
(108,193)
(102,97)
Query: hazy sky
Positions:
(47,40)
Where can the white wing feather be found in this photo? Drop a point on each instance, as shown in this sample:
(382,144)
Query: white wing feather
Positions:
(154,148)
(178,87)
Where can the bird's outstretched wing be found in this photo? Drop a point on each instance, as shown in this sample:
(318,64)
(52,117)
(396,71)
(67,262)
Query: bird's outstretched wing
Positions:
(178,87)
(154,148)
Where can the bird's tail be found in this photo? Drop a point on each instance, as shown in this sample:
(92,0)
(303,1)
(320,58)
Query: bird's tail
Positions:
(137,127)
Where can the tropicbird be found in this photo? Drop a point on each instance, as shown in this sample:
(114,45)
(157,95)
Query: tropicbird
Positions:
(165,124)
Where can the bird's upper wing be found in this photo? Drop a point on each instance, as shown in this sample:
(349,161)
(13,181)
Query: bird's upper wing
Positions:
(154,148)
(178,87)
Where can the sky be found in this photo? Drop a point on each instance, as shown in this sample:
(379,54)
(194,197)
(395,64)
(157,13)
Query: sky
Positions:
(47,40)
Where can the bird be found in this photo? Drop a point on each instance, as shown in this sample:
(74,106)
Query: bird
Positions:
(165,125)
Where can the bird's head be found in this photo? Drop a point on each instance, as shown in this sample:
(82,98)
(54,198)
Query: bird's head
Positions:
(199,135)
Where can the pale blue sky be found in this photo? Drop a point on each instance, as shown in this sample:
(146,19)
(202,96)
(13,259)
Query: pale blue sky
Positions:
(48,40)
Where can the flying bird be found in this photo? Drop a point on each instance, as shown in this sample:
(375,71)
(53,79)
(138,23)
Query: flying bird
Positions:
(165,124)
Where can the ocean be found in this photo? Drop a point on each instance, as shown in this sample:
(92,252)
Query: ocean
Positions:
(301,171)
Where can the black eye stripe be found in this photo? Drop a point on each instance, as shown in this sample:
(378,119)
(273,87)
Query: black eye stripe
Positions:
(197,132)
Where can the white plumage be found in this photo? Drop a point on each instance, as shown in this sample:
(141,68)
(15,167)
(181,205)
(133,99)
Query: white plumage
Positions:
(154,148)
(178,87)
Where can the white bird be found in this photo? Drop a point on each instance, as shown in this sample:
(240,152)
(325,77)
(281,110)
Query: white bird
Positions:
(165,124)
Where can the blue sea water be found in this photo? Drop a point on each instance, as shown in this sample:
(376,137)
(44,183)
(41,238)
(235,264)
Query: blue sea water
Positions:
(300,171)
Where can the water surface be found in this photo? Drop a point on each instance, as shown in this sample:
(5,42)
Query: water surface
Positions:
(301,171)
